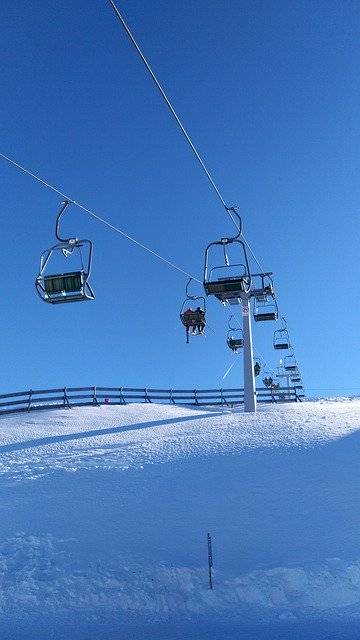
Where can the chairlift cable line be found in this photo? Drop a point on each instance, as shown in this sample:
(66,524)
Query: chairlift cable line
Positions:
(108,224)
(181,125)
(116,229)
(195,151)
(96,216)
(253,254)
(172,110)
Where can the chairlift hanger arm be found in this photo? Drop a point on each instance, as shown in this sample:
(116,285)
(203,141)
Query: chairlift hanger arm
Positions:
(231,327)
(190,296)
(233,212)
(64,206)
(186,289)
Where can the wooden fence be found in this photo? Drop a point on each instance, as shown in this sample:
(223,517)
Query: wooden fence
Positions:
(37,399)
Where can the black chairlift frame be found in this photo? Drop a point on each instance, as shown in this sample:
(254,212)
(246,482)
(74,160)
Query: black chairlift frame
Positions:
(290,364)
(281,339)
(228,289)
(69,286)
(194,319)
(264,295)
(235,343)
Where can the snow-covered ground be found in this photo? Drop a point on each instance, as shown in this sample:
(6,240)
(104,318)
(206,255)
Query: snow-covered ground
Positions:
(105,513)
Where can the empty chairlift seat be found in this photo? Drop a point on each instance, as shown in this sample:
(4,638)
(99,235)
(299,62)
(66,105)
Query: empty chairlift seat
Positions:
(281,338)
(265,310)
(70,286)
(290,364)
(265,305)
(226,288)
(227,277)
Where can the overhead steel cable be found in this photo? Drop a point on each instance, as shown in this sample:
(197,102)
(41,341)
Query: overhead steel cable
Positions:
(94,215)
(173,112)
(229,209)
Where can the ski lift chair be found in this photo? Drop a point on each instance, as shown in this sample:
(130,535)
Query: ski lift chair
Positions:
(257,368)
(235,338)
(71,286)
(265,310)
(193,319)
(281,338)
(235,343)
(265,305)
(227,282)
(290,364)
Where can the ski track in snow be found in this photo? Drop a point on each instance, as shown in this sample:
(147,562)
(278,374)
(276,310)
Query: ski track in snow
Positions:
(41,572)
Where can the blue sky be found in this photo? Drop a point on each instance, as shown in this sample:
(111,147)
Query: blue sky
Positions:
(269,92)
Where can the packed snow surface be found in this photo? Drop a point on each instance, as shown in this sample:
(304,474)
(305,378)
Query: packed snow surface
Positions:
(105,514)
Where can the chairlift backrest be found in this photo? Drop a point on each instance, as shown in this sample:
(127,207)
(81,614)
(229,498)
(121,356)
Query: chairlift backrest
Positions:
(71,286)
(265,311)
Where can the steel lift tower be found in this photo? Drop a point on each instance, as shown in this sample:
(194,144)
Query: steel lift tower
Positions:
(233,283)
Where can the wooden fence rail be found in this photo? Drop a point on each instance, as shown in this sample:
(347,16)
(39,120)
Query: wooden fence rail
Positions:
(37,399)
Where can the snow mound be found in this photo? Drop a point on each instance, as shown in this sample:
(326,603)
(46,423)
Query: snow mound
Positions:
(105,513)
(127,437)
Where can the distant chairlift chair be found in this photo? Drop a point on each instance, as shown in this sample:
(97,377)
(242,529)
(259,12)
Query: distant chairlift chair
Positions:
(281,338)
(265,305)
(193,319)
(235,339)
(290,364)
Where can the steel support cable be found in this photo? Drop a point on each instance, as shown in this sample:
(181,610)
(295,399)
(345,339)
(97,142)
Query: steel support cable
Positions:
(96,216)
(173,112)
(105,222)
(180,124)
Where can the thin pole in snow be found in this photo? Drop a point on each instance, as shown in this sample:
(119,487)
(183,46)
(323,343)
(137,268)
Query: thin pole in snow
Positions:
(210,559)
(249,375)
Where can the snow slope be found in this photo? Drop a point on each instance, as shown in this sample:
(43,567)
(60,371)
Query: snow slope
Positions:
(105,511)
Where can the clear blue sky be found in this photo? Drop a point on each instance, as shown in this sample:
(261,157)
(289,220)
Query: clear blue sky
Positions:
(270,94)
